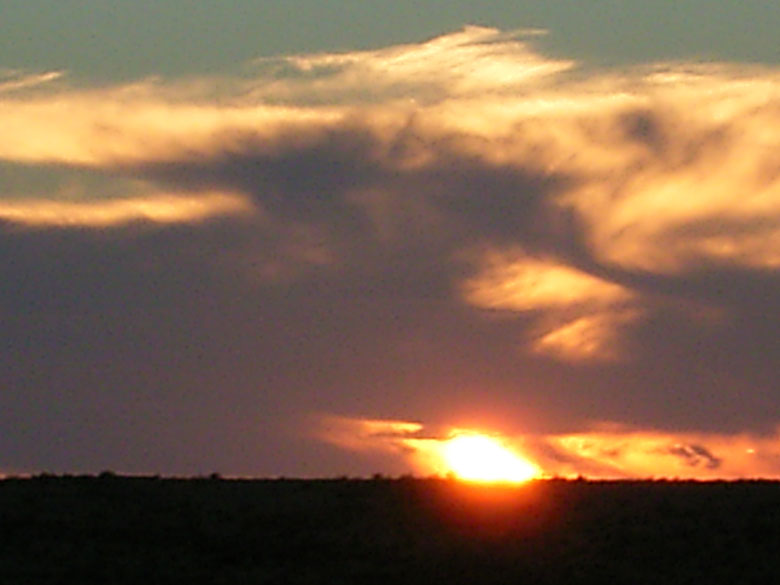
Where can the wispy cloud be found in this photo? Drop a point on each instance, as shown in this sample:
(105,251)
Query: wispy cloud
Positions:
(606,451)
(583,313)
(11,80)
(619,451)
(471,62)
(160,208)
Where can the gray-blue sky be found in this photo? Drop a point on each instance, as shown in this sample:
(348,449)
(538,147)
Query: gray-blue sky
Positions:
(213,262)
(121,40)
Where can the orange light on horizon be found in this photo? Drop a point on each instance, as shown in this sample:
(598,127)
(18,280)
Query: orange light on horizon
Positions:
(603,451)
(480,458)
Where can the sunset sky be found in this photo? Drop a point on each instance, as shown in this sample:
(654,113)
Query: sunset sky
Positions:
(323,238)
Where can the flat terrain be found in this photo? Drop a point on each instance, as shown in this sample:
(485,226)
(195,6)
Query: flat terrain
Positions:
(116,530)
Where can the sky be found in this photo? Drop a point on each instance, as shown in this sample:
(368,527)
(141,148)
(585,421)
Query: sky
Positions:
(313,239)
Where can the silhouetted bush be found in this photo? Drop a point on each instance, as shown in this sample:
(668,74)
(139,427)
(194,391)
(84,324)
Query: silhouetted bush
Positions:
(113,529)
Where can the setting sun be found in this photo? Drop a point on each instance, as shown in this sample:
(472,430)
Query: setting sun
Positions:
(476,457)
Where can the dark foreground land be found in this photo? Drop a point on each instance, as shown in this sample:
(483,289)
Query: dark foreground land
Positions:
(144,531)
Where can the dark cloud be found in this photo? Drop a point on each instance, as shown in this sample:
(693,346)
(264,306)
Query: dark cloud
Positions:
(332,177)
(695,455)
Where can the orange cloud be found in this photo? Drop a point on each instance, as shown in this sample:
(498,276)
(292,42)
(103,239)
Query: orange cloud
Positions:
(583,313)
(622,452)
(157,208)
(134,124)
(604,452)
(592,337)
(523,283)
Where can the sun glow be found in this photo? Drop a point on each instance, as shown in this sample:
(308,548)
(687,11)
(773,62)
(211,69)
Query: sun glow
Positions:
(480,458)
(604,451)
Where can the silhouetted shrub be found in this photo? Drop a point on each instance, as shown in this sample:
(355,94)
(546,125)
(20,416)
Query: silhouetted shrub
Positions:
(80,529)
